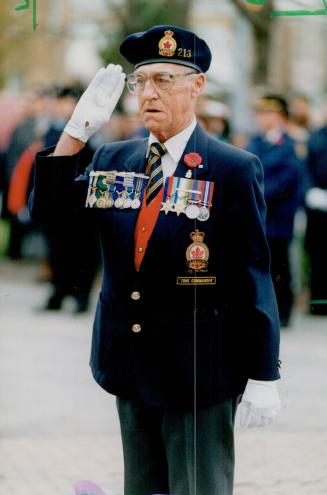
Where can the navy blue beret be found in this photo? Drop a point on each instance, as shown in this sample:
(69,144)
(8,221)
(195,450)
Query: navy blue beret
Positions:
(167,44)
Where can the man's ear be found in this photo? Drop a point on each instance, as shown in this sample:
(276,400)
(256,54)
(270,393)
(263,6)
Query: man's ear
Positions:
(199,83)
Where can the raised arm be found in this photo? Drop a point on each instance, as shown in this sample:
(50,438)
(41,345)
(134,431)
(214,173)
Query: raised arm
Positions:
(93,110)
(54,193)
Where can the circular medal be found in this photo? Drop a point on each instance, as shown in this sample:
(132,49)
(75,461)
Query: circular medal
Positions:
(110,202)
(204,214)
(127,203)
(136,203)
(92,200)
(101,203)
(119,203)
(192,211)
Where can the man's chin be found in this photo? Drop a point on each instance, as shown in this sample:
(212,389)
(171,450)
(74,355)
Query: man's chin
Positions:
(152,125)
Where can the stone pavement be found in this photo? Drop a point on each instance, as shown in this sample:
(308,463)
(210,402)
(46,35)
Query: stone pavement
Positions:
(57,426)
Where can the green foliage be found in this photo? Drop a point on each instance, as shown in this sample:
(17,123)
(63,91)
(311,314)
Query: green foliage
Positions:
(131,16)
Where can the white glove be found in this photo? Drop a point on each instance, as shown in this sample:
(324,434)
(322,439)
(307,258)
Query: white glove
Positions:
(260,403)
(87,488)
(316,199)
(97,103)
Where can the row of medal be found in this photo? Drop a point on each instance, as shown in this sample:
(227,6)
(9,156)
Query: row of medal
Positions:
(191,197)
(112,189)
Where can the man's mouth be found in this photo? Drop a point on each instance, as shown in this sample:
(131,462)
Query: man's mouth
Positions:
(152,110)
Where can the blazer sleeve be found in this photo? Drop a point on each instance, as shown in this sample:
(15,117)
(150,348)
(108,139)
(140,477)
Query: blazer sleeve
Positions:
(60,186)
(253,294)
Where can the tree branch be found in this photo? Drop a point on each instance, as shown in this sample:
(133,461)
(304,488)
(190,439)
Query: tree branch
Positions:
(261,19)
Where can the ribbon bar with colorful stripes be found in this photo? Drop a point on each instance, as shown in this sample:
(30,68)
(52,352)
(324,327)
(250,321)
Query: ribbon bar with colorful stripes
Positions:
(191,197)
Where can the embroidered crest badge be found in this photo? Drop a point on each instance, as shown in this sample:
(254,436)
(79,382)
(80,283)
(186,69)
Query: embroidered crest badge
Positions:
(197,254)
(167,45)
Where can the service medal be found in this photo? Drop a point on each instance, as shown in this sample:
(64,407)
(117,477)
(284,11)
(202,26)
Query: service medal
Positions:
(92,200)
(179,207)
(119,203)
(101,203)
(136,203)
(127,203)
(165,206)
(110,202)
(192,211)
(204,214)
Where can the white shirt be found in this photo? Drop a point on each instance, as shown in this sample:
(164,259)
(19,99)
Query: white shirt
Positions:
(175,147)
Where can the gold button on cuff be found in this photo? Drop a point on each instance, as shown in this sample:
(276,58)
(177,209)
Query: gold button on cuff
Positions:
(143,229)
(140,250)
(136,328)
(135,296)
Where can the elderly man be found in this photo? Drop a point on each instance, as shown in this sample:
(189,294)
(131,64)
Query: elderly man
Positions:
(186,320)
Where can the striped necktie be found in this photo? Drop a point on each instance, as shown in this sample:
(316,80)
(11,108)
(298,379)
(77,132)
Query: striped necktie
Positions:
(154,170)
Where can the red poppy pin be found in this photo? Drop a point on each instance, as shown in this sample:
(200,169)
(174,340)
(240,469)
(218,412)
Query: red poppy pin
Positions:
(192,160)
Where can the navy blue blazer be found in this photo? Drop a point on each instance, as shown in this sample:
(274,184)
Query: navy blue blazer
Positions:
(204,340)
(317,159)
(283,183)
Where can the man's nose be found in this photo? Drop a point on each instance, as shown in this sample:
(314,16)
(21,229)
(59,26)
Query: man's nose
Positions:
(149,90)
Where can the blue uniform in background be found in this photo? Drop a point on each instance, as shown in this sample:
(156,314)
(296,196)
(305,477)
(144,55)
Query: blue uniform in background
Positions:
(283,194)
(316,238)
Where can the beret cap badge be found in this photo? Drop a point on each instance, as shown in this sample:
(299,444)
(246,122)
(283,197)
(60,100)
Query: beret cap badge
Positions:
(167,45)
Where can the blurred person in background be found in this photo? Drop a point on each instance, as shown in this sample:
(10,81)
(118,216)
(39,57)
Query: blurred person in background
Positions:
(282,189)
(26,134)
(316,233)
(214,118)
(300,111)
(133,127)
(62,105)
(73,253)
(299,123)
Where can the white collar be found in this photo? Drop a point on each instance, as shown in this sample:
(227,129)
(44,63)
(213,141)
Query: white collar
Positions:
(176,144)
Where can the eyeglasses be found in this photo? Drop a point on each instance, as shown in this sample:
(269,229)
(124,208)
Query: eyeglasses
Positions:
(163,81)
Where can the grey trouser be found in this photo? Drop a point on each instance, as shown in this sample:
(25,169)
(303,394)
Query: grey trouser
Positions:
(173,451)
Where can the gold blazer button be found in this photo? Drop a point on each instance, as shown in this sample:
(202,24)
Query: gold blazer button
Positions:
(136,328)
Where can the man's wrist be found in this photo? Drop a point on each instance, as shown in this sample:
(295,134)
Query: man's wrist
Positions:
(68,145)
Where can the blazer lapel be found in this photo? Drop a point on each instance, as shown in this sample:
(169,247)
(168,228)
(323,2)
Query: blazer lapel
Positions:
(136,160)
(196,144)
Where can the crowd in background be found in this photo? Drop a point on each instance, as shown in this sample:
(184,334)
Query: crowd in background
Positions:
(292,150)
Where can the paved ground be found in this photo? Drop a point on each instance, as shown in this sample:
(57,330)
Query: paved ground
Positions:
(57,426)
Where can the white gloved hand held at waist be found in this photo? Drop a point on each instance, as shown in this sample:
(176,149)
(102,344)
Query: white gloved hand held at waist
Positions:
(260,403)
(316,199)
(97,103)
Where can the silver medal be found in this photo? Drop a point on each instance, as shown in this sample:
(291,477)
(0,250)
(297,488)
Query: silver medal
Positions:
(192,211)
(127,203)
(136,203)
(101,203)
(119,203)
(110,202)
(204,214)
(92,200)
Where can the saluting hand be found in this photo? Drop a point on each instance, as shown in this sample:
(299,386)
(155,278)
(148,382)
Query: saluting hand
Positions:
(97,103)
(260,403)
